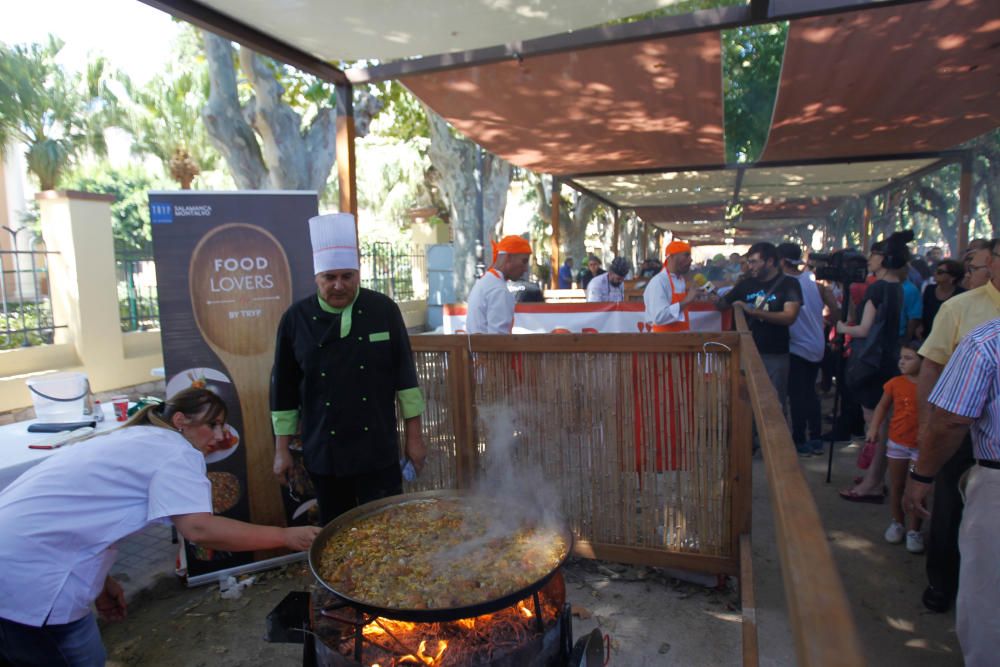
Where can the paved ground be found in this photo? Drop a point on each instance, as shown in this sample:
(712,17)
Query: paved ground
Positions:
(651,618)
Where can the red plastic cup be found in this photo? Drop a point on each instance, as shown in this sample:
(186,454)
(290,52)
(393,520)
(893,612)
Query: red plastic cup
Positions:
(120,404)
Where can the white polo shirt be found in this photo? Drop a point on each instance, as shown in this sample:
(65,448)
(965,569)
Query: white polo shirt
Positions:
(491,306)
(60,520)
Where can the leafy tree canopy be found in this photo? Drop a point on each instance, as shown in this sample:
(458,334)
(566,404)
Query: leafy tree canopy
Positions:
(54,113)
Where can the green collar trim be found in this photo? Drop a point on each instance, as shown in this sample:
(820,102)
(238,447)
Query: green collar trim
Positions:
(345,312)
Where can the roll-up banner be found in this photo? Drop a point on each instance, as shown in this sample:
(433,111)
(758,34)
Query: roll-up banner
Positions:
(228,265)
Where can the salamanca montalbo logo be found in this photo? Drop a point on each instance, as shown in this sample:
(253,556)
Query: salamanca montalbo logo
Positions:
(192,211)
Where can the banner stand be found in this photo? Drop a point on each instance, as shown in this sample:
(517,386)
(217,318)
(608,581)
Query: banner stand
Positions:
(228,265)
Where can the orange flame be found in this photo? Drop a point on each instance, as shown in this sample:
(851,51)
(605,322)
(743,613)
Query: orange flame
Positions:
(425,657)
(523,608)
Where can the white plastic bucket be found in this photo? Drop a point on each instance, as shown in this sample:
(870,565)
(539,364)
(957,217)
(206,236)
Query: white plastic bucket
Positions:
(60,396)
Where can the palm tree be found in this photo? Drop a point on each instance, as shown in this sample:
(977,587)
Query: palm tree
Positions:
(55,114)
(164,119)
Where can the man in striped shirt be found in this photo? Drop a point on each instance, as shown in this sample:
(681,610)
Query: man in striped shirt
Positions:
(967,397)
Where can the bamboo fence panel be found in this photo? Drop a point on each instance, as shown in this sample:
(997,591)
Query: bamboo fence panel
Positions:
(635,443)
(438,425)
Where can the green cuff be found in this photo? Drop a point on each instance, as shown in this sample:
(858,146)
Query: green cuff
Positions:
(285,422)
(411,401)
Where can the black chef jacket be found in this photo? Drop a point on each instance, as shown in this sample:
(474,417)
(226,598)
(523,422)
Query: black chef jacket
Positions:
(344,387)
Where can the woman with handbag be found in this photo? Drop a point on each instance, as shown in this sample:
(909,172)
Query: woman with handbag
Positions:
(875,350)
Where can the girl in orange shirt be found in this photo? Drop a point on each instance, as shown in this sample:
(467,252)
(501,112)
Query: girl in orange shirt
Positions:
(900,394)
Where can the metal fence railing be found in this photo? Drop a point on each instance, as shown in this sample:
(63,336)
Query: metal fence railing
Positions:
(26,318)
(138,307)
(398,272)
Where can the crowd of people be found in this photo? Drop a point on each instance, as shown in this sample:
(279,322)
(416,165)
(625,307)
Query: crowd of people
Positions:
(915,352)
(913,344)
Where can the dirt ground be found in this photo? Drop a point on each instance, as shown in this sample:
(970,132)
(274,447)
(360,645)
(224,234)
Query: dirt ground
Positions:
(651,618)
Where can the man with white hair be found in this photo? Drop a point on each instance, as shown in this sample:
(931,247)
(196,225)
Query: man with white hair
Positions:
(341,362)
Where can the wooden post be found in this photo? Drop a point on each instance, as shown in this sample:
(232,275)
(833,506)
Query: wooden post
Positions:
(615,231)
(866,223)
(347,173)
(964,205)
(556,201)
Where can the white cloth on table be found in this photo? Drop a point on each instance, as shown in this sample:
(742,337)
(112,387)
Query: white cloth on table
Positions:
(599,290)
(491,306)
(658,296)
(60,520)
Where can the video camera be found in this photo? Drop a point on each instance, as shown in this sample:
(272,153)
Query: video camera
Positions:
(843,266)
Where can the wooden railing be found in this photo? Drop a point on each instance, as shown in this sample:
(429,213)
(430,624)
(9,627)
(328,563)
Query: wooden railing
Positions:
(821,620)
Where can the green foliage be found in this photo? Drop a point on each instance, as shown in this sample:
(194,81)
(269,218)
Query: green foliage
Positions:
(54,113)
(402,116)
(391,176)
(130,211)
(751,69)
(16,325)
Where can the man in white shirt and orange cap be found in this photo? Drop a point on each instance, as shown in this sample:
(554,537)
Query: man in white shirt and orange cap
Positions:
(491,305)
(667,295)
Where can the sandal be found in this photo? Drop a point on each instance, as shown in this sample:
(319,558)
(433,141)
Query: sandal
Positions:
(853,496)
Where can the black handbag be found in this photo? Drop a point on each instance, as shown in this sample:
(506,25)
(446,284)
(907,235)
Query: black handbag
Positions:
(875,354)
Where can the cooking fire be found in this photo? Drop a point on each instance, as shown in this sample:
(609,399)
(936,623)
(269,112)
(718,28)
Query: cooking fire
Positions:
(467,641)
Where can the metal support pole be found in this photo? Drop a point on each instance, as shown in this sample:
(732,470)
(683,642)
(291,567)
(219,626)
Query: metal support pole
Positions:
(964,205)
(347,173)
(866,223)
(556,201)
(615,232)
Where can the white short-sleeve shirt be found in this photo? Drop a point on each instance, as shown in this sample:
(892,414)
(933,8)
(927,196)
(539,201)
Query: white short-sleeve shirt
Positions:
(491,306)
(60,520)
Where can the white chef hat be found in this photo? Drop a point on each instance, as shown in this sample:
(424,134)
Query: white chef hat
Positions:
(334,242)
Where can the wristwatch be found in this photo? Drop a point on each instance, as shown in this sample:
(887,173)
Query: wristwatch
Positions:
(923,479)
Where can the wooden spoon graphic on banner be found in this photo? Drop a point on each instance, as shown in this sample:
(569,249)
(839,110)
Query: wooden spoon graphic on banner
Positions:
(240,286)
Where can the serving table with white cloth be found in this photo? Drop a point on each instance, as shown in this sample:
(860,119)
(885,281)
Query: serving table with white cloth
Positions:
(16,456)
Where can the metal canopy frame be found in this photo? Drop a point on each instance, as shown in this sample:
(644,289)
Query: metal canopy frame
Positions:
(942,159)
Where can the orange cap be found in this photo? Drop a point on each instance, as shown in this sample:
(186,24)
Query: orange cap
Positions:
(512,245)
(676,247)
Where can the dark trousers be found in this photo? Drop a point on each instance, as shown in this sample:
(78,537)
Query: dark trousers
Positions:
(802,399)
(76,644)
(336,495)
(946,514)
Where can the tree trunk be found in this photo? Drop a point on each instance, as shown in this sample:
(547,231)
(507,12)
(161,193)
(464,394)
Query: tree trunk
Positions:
(454,159)
(228,131)
(263,142)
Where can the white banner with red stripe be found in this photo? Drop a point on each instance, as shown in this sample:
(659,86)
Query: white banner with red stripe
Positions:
(628,317)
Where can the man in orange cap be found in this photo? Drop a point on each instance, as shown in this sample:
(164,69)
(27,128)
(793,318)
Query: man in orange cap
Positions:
(491,305)
(667,295)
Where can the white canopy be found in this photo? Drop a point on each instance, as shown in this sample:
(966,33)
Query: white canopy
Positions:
(388,29)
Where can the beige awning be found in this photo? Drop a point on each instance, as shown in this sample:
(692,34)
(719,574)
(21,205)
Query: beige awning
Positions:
(641,105)
(888,81)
